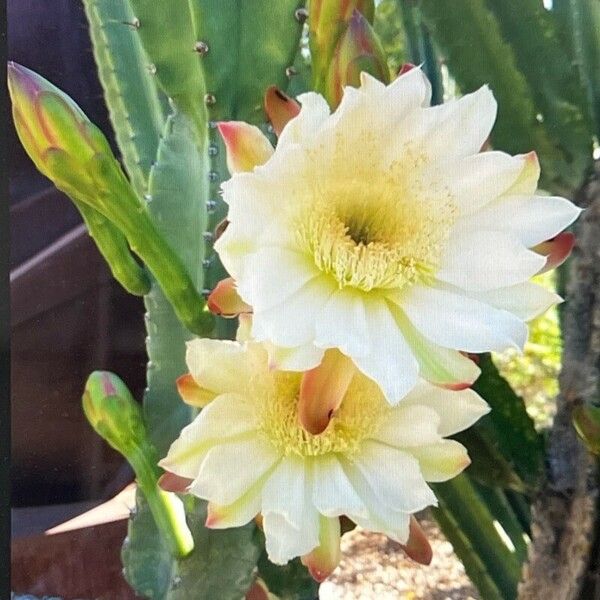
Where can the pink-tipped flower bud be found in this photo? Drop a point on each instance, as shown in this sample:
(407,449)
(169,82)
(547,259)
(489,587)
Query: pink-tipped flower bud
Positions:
(357,51)
(55,132)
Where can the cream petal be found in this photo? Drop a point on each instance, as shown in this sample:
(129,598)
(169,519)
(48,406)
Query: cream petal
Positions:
(222,479)
(408,426)
(481,260)
(292,323)
(390,363)
(342,323)
(474,181)
(333,494)
(246,145)
(456,321)
(441,461)
(227,418)
(395,477)
(530,219)
(223,366)
(456,410)
(240,512)
(300,358)
(526,300)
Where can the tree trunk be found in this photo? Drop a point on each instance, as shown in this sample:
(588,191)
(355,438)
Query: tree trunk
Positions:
(563,562)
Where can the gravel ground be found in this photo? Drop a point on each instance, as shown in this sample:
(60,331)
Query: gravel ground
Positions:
(375,568)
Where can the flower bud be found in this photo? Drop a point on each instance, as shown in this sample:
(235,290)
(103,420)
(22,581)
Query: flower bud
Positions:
(357,51)
(327,21)
(54,131)
(586,420)
(113,413)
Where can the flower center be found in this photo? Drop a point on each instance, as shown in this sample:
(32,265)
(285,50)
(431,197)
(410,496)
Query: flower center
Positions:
(357,418)
(371,233)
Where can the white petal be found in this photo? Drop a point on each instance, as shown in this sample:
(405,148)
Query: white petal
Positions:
(476,180)
(438,365)
(390,362)
(482,260)
(223,366)
(526,300)
(441,461)
(393,523)
(531,219)
(333,495)
(409,90)
(456,410)
(301,129)
(223,478)
(455,321)
(284,542)
(342,324)
(273,274)
(227,418)
(407,426)
(292,323)
(458,128)
(395,477)
(290,520)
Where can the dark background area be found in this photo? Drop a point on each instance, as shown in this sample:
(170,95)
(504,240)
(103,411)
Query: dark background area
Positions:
(68,317)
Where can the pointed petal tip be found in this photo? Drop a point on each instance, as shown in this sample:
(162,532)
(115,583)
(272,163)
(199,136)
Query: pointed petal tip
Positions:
(280,108)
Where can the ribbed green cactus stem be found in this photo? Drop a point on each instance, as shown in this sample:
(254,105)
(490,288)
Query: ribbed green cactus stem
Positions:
(114,248)
(137,108)
(459,498)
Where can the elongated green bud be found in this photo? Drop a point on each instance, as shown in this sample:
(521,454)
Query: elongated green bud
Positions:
(327,22)
(74,154)
(586,420)
(117,417)
(357,51)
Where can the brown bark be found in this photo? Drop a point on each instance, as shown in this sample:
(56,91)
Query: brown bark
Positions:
(562,564)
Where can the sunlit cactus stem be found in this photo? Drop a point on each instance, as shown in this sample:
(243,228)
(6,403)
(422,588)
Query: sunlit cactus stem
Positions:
(116,417)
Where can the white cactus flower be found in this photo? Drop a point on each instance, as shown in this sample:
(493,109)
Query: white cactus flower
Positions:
(383,231)
(247,454)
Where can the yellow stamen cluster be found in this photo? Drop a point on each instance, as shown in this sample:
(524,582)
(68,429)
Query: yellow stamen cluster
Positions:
(357,418)
(376,231)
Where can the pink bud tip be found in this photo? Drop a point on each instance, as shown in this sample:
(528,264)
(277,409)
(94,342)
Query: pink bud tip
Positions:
(169,482)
